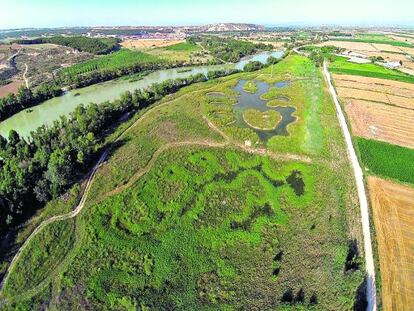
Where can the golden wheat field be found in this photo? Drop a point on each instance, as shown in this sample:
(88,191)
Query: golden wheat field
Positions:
(393,209)
(381,122)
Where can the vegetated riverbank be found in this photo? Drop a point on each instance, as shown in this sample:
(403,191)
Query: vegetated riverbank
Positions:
(57,156)
(49,111)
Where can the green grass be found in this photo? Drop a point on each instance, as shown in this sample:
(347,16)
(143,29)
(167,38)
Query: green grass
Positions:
(250,87)
(262,120)
(118,60)
(342,66)
(42,256)
(213,228)
(184,46)
(379,40)
(386,160)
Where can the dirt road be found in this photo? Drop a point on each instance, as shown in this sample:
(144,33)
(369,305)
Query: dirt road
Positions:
(363,201)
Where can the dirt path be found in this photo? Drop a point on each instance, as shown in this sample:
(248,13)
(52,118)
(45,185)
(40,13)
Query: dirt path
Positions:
(53,219)
(227,141)
(363,201)
(26,80)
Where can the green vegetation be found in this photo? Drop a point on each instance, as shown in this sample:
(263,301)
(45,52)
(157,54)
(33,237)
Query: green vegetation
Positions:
(227,49)
(385,40)
(185,46)
(109,67)
(267,120)
(386,160)
(250,87)
(55,156)
(81,43)
(182,53)
(342,66)
(119,60)
(181,217)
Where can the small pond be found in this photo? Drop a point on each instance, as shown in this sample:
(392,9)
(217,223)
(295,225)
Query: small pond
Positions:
(253,101)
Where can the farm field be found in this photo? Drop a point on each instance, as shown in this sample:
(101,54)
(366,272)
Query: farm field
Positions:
(400,89)
(382,122)
(148,43)
(380,109)
(377,108)
(341,65)
(193,211)
(182,52)
(375,157)
(393,209)
(349,92)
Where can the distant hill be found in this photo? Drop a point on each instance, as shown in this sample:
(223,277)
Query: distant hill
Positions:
(232,27)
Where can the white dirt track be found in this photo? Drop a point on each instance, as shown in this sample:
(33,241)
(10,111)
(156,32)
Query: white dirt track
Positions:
(363,201)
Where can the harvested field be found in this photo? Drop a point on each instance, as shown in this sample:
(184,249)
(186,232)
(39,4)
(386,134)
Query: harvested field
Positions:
(392,90)
(10,88)
(388,48)
(381,122)
(377,81)
(149,43)
(377,96)
(393,208)
(404,39)
(355,46)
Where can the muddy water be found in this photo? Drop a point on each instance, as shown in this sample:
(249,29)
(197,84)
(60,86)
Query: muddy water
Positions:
(253,101)
(44,114)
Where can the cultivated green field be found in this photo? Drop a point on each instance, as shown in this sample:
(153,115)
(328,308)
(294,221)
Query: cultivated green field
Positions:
(121,59)
(185,215)
(342,66)
(375,38)
(386,160)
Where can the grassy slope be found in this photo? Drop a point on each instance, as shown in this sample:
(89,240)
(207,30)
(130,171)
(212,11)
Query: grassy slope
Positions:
(342,66)
(212,229)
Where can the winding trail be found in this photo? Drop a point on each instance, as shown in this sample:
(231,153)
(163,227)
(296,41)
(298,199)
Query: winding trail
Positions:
(91,176)
(26,80)
(363,201)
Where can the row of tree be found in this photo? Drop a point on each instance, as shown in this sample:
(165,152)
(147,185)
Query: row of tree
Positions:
(228,49)
(80,43)
(42,167)
(26,98)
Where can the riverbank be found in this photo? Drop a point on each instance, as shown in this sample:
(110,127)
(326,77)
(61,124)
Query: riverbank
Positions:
(47,112)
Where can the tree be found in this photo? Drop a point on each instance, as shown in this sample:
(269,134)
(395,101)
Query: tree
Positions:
(59,170)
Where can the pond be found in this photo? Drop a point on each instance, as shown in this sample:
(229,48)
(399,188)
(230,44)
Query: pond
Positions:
(253,101)
(44,114)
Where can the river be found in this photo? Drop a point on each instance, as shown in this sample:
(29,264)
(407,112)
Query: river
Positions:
(45,113)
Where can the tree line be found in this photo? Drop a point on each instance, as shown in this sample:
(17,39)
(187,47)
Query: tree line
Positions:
(39,168)
(84,44)
(228,49)
(25,98)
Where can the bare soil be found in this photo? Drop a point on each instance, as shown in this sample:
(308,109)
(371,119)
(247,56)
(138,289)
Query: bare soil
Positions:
(393,209)
(381,122)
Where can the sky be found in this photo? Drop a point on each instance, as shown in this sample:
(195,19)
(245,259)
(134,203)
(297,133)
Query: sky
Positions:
(61,13)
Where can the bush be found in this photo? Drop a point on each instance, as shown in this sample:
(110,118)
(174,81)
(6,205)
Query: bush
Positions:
(253,66)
